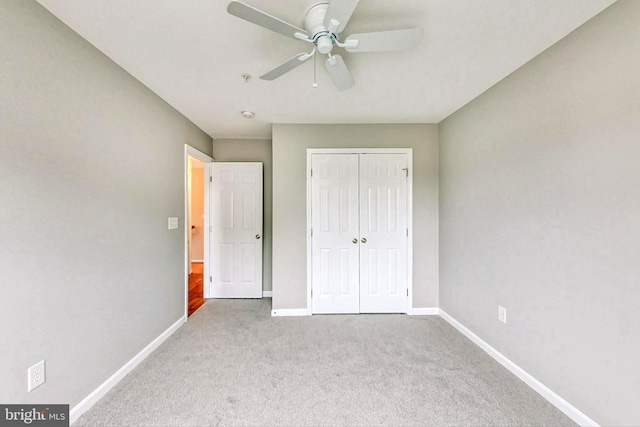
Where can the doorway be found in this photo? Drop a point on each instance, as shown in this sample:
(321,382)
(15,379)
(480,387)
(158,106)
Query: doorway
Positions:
(195,233)
(196,227)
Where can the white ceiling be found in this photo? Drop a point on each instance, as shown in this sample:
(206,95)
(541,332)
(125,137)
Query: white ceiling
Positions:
(192,54)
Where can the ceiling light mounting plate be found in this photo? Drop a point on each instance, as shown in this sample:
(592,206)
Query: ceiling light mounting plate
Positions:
(247,114)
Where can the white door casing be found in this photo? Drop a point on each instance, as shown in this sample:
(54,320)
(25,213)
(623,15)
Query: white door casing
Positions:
(377,240)
(335,233)
(206,159)
(236,230)
(383,233)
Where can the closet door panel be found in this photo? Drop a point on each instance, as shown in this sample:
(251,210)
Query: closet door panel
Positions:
(334,219)
(383,233)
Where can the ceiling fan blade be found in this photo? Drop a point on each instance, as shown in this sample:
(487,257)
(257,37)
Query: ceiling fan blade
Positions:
(341,11)
(297,60)
(339,73)
(262,19)
(386,41)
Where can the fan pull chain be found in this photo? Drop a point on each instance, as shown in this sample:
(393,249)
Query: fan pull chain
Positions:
(315,83)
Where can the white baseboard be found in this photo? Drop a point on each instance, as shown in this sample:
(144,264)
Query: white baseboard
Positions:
(103,388)
(423,311)
(291,312)
(569,410)
(267,294)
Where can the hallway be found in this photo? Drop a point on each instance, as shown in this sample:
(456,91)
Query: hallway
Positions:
(196,290)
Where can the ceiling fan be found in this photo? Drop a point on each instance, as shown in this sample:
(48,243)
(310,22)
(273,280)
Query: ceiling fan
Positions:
(323,26)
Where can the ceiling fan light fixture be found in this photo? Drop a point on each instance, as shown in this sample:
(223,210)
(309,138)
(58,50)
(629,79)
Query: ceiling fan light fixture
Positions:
(248,114)
(323,27)
(324,44)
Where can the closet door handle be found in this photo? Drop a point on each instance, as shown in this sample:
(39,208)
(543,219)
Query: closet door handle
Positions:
(258,236)
(363,240)
(355,241)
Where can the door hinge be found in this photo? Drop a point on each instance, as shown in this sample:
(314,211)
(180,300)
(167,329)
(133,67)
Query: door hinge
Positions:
(210,179)
(210,279)
(311,172)
(407,292)
(407,232)
(211,229)
(311,292)
(312,232)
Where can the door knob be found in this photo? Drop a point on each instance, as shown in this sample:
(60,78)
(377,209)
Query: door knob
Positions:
(355,241)
(363,240)
(258,236)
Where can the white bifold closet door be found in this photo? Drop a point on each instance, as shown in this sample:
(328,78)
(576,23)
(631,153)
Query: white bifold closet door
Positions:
(359,242)
(335,224)
(383,233)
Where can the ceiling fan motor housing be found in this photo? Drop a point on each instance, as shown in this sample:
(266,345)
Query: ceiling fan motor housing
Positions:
(314,25)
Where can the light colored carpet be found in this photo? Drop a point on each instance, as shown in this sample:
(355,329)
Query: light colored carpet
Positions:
(233,364)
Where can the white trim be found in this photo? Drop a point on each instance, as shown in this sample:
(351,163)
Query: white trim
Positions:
(198,260)
(423,311)
(206,159)
(409,153)
(86,403)
(206,272)
(569,410)
(267,294)
(291,312)
(309,223)
(358,150)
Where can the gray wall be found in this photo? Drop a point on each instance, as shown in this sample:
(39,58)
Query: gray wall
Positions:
(290,143)
(253,150)
(91,167)
(540,213)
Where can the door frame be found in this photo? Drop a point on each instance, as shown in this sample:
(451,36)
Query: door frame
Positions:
(409,154)
(206,159)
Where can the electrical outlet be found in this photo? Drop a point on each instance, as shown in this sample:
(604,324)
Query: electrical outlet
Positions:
(502,314)
(35,375)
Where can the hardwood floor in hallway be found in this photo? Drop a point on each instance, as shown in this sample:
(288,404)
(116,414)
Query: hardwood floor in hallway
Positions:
(196,291)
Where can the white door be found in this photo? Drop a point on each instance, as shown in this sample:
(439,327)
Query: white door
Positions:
(335,259)
(383,233)
(359,226)
(236,230)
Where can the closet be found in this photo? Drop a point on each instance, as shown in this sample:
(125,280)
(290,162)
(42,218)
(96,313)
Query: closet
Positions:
(359,232)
